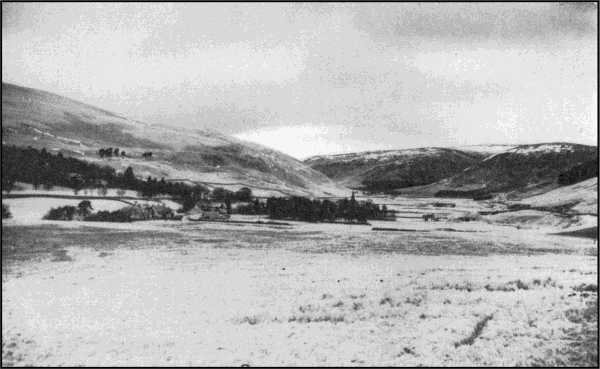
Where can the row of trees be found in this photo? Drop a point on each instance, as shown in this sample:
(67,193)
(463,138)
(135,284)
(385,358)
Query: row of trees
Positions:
(301,208)
(109,152)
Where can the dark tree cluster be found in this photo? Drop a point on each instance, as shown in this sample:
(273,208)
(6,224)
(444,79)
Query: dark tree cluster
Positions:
(109,216)
(244,194)
(5,212)
(578,173)
(82,210)
(384,185)
(477,194)
(254,208)
(110,152)
(303,209)
(42,168)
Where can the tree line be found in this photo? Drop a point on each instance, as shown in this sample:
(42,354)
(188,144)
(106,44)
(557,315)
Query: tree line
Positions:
(304,209)
(41,168)
(109,152)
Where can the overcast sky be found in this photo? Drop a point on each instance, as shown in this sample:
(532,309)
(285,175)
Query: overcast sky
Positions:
(321,78)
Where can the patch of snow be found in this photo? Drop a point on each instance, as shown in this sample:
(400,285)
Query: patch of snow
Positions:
(545,148)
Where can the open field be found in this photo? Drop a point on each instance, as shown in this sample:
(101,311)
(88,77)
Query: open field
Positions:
(177,293)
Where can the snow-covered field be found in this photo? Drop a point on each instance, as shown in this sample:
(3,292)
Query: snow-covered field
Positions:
(196,293)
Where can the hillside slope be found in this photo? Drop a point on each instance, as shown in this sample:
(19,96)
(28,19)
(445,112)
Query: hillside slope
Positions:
(392,169)
(525,169)
(520,170)
(579,198)
(44,120)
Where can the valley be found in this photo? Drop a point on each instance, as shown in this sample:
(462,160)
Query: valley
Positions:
(504,278)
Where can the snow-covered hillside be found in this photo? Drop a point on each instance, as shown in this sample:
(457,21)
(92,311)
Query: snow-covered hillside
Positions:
(529,169)
(45,120)
(582,197)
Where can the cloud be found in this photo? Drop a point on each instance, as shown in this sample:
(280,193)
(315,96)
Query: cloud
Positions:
(355,76)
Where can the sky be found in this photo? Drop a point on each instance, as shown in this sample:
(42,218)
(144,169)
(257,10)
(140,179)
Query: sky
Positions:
(321,78)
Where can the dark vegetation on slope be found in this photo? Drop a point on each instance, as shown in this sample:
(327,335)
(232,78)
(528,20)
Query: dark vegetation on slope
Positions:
(42,119)
(386,171)
(520,168)
(581,172)
(421,170)
(464,174)
(41,168)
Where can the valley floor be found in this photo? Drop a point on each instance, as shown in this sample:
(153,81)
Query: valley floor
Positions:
(193,293)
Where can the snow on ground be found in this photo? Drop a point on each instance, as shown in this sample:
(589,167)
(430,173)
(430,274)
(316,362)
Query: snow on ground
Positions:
(489,149)
(374,155)
(542,219)
(546,148)
(584,193)
(315,294)
(32,210)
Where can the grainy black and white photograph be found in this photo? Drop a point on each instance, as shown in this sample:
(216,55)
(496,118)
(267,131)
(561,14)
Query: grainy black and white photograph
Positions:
(300,184)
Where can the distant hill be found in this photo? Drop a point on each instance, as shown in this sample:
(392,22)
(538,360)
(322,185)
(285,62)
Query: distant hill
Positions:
(524,169)
(392,169)
(44,120)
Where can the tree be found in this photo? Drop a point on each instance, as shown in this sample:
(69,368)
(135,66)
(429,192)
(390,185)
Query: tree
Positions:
(221,194)
(116,151)
(76,183)
(243,194)
(228,205)
(128,177)
(84,208)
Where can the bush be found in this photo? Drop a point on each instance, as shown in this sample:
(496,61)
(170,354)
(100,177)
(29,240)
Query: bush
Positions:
(109,216)
(5,212)
(61,213)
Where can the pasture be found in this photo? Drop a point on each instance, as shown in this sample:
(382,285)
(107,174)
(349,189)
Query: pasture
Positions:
(183,293)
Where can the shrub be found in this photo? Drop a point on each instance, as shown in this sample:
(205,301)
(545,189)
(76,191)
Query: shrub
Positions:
(109,216)
(61,213)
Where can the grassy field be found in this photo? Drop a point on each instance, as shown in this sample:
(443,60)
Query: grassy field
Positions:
(160,293)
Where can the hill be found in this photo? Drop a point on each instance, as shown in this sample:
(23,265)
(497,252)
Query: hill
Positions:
(392,169)
(465,171)
(44,120)
(579,198)
(524,170)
